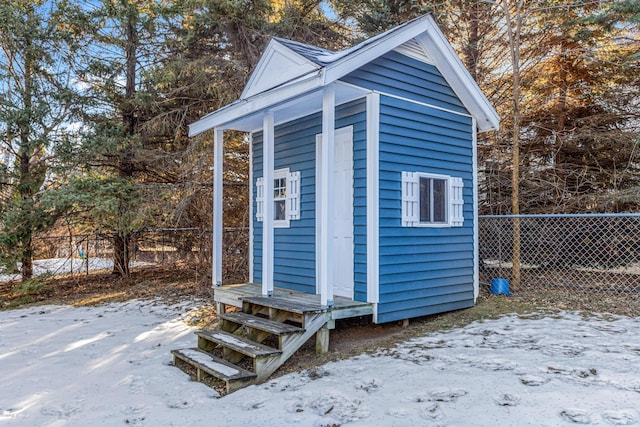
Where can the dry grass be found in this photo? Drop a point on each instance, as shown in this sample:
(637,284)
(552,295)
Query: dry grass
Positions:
(171,283)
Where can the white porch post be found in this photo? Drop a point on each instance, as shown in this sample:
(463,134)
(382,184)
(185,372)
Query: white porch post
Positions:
(325,273)
(216,253)
(268,141)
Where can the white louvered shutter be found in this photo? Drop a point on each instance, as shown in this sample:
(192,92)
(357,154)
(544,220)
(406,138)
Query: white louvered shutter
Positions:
(293,195)
(410,199)
(259,199)
(456,202)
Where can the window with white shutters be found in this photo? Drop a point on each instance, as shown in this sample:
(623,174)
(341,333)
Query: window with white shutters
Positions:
(431,200)
(286,197)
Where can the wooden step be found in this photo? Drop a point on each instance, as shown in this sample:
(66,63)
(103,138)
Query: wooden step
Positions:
(234,376)
(285,305)
(238,344)
(261,324)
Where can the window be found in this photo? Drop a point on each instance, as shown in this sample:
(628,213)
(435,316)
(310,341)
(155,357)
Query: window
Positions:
(280,195)
(431,200)
(286,197)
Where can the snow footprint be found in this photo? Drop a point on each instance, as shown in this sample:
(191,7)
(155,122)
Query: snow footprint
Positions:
(136,385)
(577,416)
(432,412)
(397,412)
(339,407)
(446,394)
(179,404)
(369,385)
(507,400)
(63,411)
(533,380)
(624,417)
(254,404)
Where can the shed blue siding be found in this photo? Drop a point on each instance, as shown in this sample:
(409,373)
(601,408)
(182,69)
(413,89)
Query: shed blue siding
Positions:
(295,148)
(400,75)
(423,270)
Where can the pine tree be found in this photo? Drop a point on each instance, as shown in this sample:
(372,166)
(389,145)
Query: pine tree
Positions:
(37,105)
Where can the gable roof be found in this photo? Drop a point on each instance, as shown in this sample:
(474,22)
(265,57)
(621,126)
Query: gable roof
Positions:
(289,69)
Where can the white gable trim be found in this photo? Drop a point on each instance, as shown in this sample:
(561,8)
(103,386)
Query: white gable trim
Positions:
(276,66)
(454,72)
(368,53)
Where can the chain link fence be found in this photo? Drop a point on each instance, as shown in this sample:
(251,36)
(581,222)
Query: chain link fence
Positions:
(184,248)
(592,259)
(594,255)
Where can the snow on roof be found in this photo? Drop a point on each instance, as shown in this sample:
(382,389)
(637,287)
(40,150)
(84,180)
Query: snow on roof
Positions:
(312,53)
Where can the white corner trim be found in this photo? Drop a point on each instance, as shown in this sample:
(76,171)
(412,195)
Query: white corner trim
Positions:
(476,237)
(251,184)
(373,192)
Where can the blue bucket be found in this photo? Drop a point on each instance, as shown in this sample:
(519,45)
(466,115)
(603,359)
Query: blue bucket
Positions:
(500,287)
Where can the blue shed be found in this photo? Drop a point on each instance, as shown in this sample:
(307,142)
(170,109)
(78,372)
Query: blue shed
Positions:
(363,173)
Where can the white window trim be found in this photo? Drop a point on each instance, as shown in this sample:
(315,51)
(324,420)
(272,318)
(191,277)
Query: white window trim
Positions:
(447,202)
(450,194)
(292,199)
(281,223)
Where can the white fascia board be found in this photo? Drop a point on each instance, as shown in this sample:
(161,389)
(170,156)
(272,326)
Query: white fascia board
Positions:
(278,64)
(308,104)
(454,72)
(226,115)
(363,56)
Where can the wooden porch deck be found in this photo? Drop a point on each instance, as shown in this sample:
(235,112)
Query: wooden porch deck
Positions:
(343,308)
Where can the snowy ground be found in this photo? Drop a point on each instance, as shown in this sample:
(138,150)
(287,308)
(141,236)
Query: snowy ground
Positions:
(60,266)
(109,366)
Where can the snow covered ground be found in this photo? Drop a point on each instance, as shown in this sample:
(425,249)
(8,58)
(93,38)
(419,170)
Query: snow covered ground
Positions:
(109,366)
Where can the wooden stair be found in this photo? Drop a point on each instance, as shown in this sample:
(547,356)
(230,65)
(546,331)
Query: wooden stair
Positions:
(250,345)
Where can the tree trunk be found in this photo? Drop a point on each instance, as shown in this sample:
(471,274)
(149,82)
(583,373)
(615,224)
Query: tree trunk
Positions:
(27,258)
(514,47)
(121,255)
(122,239)
(471,50)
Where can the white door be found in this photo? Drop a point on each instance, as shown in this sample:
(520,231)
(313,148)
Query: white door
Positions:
(342,210)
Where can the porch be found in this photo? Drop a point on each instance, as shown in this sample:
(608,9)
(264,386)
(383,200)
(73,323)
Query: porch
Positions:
(343,308)
(260,333)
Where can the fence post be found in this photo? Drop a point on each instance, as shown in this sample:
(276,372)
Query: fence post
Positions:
(86,255)
(515,277)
